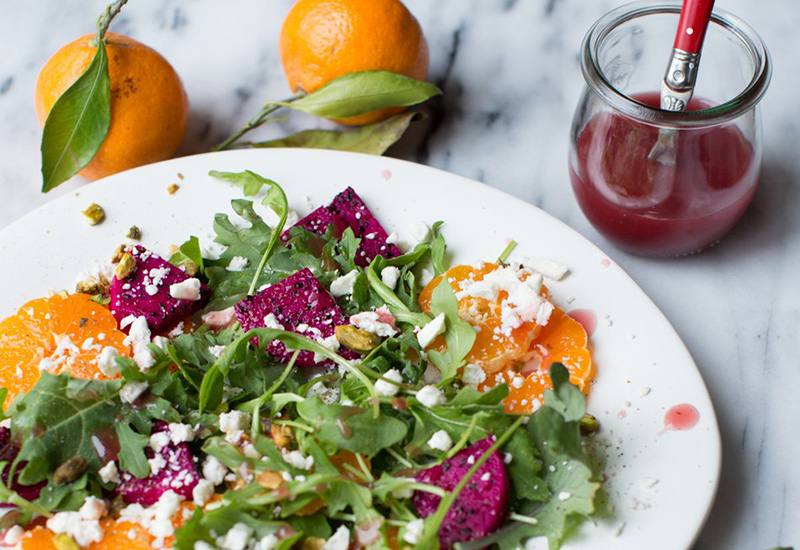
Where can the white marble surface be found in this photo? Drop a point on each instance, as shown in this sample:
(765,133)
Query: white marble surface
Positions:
(510,74)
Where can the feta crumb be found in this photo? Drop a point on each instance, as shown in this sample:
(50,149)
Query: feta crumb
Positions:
(344,285)
(186,290)
(371,322)
(109,473)
(219,319)
(430,331)
(564,495)
(237,263)
(214,470)
(180,433)
(387,389)
(138,338)
(441,441)
(14,535)
(232,421)
(93,508)
(392,238)
(331,343)
(83,532)
(158,441)
(199,545)
(431,396)
(340,540)
(507,458)
(157,463)
(296,459)
(486,477)
(217,351)
(389,276)
(413,531)
(132,390)
(203,492)
(107,362)
(548,268)
(270,321)
(517,382)
(267,542)
(644,392)
(326,394)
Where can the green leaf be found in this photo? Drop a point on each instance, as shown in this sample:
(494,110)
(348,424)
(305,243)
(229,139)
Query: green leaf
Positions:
(372,139)
(438,250)
(131,450)
(351,428)
(77,124)
(189,252)
(73,411)
(565,397)
(349,494)
(459,335)
(354,94)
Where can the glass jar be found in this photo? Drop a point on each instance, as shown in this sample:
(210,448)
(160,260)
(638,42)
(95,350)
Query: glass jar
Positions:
(656,182)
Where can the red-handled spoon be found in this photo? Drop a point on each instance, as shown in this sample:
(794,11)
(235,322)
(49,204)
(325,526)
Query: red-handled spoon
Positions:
(681,75)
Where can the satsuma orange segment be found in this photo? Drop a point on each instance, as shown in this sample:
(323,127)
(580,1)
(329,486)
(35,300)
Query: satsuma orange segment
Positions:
(62,333)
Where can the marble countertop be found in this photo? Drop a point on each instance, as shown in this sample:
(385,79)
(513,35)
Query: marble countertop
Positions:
(510,75)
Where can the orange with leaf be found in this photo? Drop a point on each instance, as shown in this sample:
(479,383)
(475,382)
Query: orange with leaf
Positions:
(62,333)
(523,353)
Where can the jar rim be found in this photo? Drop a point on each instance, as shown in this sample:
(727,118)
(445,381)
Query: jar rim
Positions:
(746,100)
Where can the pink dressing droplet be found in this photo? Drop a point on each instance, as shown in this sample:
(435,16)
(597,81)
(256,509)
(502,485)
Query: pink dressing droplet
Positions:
(386,174)
(585,317)
(605,262)
(621,414)
(681,418)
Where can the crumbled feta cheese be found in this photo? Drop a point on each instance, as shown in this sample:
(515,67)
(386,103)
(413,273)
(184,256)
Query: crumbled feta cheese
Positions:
(270,321)
(340,540)
(430,331)
(132,390)
(92,509)
(202,492)
(237,537)
(389,276)
(548,268)
(267,542)
(413,532)
(371,321)
(387,389)
(107,362)
(217,351)
(232,421)
(296,459)
(158,441)
(14,535)
(201,545)
(326,394)
(392,238)
(431,396)
(157,463)
(331,343)
(138,338)
(237,263)
(517,382)
(486,477)
(220,319)
(83,532)
(344,285)
(180,433)
(473,375)
(441,441)
(214,470)
(109,473)
(186,290)
(564,495)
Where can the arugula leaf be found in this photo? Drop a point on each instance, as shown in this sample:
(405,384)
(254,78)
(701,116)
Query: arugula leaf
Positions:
(363,92)
(438,250)
(131,450)
(69,496)
(459,335)
(77,124)
(189,252)
(351,428)
(72,410)
(372,139)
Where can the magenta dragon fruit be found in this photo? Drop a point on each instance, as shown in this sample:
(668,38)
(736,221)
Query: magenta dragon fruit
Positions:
(481,506)
(348,210)
(174,470)
(146,292)
(299,304)
(8,452)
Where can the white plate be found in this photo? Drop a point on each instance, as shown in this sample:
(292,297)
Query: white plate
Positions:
(660,483)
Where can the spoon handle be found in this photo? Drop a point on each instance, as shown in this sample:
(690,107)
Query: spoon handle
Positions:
(693,24)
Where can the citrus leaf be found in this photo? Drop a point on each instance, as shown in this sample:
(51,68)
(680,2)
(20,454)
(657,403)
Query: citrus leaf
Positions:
(373,139)
(77,124)
(358,93)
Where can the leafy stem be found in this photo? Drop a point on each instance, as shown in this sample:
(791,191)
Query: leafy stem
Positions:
(267,394)
(104,21)
(432,527)
(10,496)
(501,259)
(268,108)
(396,305)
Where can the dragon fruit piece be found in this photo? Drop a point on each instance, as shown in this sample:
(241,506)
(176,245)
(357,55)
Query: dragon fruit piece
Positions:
(348,206)
(146,292)
(299,304)
(8,452)
(482,505)
(348,210)
(177,472)
(318,222)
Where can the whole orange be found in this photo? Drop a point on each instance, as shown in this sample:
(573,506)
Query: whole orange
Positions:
(323,39)
(149,108)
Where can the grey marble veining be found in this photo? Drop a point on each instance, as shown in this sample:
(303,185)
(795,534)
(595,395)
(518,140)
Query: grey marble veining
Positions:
(509,70)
